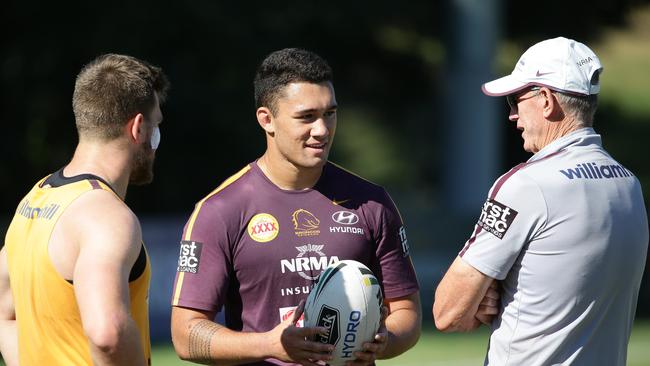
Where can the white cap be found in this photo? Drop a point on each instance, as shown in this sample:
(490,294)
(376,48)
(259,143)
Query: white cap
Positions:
(560,64)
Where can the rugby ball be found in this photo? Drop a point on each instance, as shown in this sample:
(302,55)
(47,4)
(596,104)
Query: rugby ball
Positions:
(347,300)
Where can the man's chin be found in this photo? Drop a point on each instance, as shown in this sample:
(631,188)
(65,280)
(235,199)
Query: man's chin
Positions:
(142,170)
(314,163)
(141,177)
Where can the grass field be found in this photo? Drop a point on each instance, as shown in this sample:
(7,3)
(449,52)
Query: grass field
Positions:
(437,349)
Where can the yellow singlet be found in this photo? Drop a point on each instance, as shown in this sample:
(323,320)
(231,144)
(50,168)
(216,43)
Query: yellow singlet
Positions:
(48,320)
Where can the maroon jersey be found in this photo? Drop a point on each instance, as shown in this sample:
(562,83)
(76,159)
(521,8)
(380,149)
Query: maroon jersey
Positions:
(256,250)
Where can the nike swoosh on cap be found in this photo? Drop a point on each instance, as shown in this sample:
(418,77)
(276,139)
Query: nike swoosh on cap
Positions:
(538,74)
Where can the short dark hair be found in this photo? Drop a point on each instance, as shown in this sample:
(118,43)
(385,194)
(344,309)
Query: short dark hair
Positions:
(112,89)
(286,66)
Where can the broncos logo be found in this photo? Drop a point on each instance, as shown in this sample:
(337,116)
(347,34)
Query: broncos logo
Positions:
(304,220)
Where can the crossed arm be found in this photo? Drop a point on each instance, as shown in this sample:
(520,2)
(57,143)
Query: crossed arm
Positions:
(465,299)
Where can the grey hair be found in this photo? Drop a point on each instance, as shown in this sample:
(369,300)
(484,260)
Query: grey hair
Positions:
(582,108)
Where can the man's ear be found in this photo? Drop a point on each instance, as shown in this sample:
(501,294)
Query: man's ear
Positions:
(136,129)
(265,119)
(552,109)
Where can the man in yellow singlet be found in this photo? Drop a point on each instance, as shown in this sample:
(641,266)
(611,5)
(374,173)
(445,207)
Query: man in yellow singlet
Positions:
(74,272)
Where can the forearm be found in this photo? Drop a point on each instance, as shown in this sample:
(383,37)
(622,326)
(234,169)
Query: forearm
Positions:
(206,342)
(403,328)
(458,297)
(460,322)
(452,313)
(125,348)
(9,342)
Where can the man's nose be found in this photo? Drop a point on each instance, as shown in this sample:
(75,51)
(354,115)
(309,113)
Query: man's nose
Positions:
(320,128)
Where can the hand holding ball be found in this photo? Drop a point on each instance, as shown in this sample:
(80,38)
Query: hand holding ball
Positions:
(346,300)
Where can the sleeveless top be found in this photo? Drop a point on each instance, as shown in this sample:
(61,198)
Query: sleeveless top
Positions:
(49,325)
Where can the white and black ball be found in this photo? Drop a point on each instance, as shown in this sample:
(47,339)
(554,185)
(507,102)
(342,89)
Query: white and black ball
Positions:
(347,299)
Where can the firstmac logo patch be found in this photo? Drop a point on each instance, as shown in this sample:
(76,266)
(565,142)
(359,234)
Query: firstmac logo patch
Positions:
(189,256)
(496,218)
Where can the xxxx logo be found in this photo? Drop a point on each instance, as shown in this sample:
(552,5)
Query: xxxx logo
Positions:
(263,227)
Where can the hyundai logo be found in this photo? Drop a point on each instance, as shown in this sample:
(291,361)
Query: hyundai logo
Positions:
(345,217)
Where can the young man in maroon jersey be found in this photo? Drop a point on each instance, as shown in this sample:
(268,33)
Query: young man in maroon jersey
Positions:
(255,245)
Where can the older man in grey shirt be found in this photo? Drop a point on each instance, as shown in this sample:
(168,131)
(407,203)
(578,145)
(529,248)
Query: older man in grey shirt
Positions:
(565,234)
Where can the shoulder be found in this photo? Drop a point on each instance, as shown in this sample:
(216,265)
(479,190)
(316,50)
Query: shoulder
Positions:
(515,194)
(236,187)
(515,184)
(342,177)
(222,206)
(101,205)
(354,191)
(99,216)
(532,174)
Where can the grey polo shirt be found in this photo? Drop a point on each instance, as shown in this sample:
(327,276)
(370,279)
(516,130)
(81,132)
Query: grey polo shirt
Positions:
(567,235)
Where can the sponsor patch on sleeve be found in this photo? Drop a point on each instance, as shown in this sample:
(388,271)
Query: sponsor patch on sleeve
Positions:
(496,218)
(189,256)
(404,241)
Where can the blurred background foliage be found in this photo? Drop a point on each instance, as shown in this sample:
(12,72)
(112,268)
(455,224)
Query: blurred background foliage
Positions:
(389,59)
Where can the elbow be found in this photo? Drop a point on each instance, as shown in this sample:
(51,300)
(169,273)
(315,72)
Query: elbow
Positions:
(438,320)
(180,345)
(443,323)
(182,354)
(182,323)
(410,338)
(418,330)
(415,337)
(106,336)
(455,323)
(192,333)
(446,320)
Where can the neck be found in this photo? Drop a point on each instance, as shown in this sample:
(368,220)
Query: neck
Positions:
(107,160)
(287,175)
(562,128)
